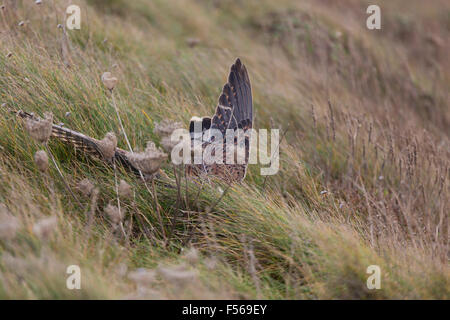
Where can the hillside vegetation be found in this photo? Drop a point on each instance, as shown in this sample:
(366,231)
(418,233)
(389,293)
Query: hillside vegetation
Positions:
(364,156)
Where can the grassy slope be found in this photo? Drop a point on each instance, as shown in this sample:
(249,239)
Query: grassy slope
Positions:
(381,151)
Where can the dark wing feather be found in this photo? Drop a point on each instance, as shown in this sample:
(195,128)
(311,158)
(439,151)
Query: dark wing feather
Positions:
(235,108)
(234,111)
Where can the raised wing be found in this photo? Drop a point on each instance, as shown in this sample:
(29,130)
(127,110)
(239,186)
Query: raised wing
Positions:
(235,108)
(234,111)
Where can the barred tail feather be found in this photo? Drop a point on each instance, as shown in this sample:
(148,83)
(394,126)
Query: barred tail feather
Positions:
(82,142)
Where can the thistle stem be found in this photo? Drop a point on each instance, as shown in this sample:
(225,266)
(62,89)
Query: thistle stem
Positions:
(178,182)
(120,121)
(62,176)
(155,197)
(117,195)
(153,194)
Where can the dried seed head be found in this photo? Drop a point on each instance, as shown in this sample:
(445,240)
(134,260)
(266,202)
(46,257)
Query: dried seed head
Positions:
(108,145)
(211,263)
(178,275)
(121,269)
(9,54)
(8,224)
(114,213)
(192,256)
(85,187)
(41,160)
(168,144)
(19,265)
(192,42)
(142,276)
(125,190)
(40,129)
(166,128)
(148,161)
(45,227)
(109,81)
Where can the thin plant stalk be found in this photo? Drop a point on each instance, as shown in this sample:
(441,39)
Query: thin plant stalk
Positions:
(62,176)
(117,195)
(91,212)
(126,137)
(178,182)
(153,194)
(221,197)
(155,197)
(210,210)
(186,189)
(191,232)
(120,120)
(147,233)
(278,148)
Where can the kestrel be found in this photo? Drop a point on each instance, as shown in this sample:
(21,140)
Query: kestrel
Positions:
(234,111)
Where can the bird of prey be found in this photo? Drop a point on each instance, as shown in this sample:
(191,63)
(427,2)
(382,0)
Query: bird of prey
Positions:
(234,111)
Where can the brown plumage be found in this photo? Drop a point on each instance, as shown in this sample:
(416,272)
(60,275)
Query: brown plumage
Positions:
(234,111)
(84,143)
